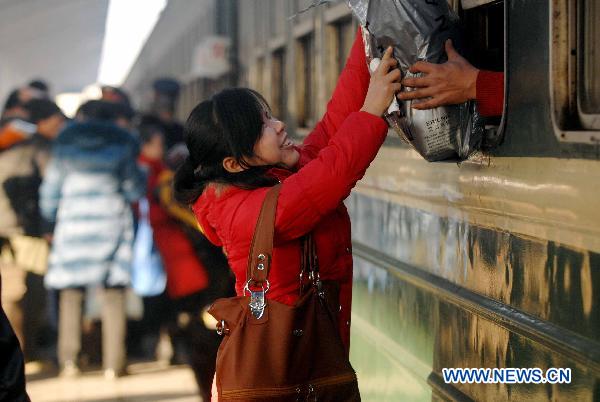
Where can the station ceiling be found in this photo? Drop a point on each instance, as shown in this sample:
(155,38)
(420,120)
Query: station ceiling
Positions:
(59,41)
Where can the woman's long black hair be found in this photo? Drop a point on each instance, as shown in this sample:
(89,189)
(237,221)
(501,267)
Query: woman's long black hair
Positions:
(228,124)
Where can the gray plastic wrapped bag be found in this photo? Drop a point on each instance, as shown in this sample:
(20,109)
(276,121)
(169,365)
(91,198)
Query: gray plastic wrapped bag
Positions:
(418,29)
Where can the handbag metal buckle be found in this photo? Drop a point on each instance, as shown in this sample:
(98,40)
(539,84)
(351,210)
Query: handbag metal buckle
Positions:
(257,299)
(222,328)
(316,279)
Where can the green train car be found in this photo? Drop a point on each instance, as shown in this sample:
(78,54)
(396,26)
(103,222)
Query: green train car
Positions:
(493,262)
(490,263)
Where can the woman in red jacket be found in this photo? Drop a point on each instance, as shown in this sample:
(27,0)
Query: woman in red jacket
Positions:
(238,150)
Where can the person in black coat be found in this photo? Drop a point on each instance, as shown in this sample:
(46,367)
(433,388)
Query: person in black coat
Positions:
(12,365)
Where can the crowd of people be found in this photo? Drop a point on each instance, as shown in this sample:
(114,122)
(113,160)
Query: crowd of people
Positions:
(87,215)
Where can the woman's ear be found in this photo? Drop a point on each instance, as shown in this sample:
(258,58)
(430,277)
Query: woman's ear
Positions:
(232,165)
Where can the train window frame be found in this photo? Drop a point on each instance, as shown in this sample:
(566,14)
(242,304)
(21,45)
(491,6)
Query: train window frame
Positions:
(570,125)
(589,120)
(258,72)
(340,35)
(494,130)
(278,97)
(305,75)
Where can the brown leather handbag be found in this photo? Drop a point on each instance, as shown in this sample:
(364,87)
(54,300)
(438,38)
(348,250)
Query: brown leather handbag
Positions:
(275,352)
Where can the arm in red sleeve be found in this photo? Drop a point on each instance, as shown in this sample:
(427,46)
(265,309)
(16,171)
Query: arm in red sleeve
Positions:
(348,96)
(490,93)
(323,183)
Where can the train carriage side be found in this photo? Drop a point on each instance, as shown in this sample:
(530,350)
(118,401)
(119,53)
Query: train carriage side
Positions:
(493,262)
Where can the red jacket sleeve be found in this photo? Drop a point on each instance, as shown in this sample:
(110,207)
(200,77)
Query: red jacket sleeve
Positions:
(490,93)
(348,96)
(323,183)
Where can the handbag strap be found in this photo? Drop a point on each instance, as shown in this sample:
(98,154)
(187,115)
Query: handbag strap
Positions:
(309,263)
(261,250)
(309,266)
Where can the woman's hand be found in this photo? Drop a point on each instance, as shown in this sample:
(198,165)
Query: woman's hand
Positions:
(383,86)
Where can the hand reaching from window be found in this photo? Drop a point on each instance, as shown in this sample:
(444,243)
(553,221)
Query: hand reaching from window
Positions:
(448,83)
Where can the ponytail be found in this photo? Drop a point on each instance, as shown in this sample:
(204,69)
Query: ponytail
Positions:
(190,181)
(187,187)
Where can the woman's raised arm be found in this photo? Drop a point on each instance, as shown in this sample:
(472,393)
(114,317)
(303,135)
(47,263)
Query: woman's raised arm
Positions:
(324,182)
(348,97)
(319,186)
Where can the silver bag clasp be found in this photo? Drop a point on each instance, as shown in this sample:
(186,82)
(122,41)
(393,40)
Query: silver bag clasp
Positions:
(258,301)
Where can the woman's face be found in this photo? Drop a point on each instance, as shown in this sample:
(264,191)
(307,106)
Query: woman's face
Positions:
(274,147)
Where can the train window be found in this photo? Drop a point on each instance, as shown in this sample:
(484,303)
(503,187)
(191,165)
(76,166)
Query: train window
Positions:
(484,30)
(340,36)
(483,26)
(278,89)
(344,36)
(589,64)
(305,99)
(575,62)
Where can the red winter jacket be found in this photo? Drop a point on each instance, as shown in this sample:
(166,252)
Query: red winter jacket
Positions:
(185,273)
(332,159)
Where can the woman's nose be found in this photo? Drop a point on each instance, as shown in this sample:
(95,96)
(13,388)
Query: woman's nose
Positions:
(279,125)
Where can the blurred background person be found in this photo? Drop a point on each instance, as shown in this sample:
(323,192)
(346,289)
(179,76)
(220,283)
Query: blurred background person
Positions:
(47,117)
(115,95)
(148,276)
(91,181)
(197,274)
(42,87)
(162,114)
(14,130)
(15,121)
(13,106)
(12,373)
(24,252)
(119,113)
